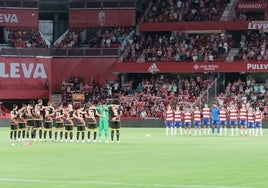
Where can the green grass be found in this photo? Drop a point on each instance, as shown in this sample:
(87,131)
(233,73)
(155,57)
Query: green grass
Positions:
(162,161)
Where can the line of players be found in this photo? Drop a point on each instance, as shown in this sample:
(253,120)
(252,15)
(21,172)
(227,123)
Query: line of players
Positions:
(214,118)
(38,122)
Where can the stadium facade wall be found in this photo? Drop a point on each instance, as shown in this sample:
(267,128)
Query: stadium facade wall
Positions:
(205,26)
(101,18)
(99,69)
(217,66)
(38,77)
(14,19)
(33,78)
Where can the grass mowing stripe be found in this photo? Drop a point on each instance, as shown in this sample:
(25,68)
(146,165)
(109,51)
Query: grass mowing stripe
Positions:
(161,161)
(113,183)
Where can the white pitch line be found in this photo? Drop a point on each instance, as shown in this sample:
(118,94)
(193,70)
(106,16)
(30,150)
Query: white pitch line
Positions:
(113,183)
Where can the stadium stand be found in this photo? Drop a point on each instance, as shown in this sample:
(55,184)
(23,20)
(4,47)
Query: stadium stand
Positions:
(185,10)
(250,93)
(26,39)
(70,40)
(187,46)
(179,46)
(146,100)
(110,37)
(253,47)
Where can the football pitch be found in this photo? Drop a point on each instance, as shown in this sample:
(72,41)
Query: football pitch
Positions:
(161,161)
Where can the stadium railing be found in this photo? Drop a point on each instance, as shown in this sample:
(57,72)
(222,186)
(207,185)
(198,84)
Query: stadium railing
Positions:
(210,94)
(18,4)
(4,112)
(71,52)
(102,4)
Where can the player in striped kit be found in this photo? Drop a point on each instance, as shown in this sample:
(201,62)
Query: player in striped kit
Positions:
(91,123)
(14,123)
(59,122)
(79,115)
(243,120)
(69,123)
(197,121)
(223,120)
(258,121)
(30,120)
(206,119)
(177,120)
(22,122)
(233,117)
(251,118)
(48,124)
(187,121)
(38,119)
(169,118)
(116,112)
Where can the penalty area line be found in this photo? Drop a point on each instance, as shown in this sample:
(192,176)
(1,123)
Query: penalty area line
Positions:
(111,183)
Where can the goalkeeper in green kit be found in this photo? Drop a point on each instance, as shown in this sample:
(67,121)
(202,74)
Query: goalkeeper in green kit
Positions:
(103,110)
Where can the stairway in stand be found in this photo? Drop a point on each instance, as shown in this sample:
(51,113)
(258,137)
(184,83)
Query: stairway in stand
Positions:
(230,57)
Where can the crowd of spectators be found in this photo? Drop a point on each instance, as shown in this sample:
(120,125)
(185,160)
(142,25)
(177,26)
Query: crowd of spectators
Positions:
(242,16)
(185,10)
(110,37)
(74,84)
(179,46)
(146,99)
(149,98)
(253,47)
(90,89)
(26,39)
(247,92)
(70,40)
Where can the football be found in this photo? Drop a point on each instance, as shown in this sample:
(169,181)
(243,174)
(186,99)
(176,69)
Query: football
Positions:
(147,136)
